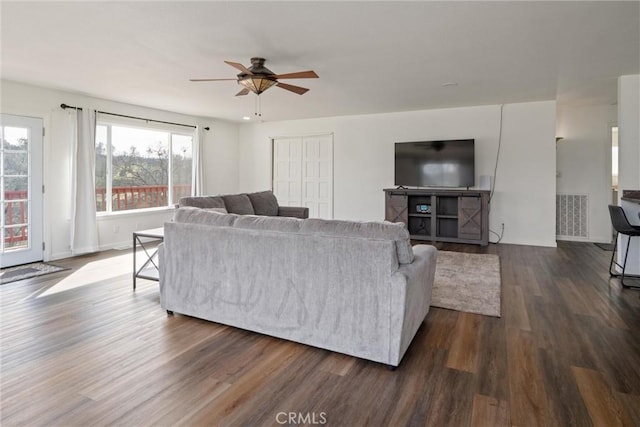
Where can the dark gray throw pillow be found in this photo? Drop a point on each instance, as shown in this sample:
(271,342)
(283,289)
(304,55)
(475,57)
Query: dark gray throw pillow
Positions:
(264,203)
(238,204)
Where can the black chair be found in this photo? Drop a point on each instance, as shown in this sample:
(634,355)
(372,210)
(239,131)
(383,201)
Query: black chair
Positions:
(621,225)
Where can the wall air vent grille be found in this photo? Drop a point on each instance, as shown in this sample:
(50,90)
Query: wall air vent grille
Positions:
(572,215)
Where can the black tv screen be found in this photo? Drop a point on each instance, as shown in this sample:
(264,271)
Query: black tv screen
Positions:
(448,163)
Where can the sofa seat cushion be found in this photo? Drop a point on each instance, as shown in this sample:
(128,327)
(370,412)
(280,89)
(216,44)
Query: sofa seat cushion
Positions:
(195,215)
(284,224)
(202,202)
(238,204)
(377,230)
(264,203)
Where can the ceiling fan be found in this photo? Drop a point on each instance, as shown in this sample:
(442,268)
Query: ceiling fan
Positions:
(258,78)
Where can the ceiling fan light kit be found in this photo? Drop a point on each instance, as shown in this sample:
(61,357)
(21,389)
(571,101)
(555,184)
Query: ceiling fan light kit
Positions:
(259,78)
(256,84)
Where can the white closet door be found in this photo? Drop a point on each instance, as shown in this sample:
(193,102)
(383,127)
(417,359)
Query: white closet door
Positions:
(287,171)
(317,173)
(303,173)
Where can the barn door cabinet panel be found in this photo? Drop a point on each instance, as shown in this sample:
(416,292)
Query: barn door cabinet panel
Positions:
(395,207)
(470,217)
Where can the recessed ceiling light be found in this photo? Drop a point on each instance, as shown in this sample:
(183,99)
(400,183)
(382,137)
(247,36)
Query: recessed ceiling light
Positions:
(246,118)
(449,84)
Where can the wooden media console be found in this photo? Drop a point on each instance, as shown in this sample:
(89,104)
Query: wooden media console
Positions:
(441,215)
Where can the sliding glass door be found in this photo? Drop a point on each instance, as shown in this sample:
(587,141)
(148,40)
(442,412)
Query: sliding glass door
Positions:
(20,190)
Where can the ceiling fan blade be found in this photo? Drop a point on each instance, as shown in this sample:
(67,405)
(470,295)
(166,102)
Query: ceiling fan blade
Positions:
(295,89)
(244,91)
(209,80)
(298,75)
(240,67)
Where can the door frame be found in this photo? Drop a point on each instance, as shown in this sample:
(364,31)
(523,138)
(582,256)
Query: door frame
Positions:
(609,169)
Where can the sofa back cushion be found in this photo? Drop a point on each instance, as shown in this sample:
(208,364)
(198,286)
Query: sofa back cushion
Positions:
(195,215)
(217,210)
(264,203)
(202,202)
(284,224)
(238,204)
(381,230)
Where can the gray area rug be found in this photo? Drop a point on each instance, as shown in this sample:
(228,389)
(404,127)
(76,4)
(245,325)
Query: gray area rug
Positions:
(27,271)
(467,282)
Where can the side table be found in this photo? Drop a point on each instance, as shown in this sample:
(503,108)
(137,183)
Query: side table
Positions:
(143,239)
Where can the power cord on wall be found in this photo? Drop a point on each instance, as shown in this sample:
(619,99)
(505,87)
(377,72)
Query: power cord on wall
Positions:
(499,236)
(495,168)
(495,178)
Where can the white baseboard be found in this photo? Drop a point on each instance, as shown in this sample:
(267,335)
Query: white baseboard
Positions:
(59,255)
(124,245)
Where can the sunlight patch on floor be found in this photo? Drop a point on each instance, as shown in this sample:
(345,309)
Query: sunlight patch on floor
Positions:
(116,266)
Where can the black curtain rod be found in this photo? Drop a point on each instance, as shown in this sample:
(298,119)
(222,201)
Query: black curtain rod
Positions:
(65,106)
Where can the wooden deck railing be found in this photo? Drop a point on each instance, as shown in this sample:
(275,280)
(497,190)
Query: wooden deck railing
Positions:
(15,199)
(139,197)
(123,198)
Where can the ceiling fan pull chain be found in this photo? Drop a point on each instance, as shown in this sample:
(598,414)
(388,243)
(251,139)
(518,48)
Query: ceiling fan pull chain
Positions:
(258,112)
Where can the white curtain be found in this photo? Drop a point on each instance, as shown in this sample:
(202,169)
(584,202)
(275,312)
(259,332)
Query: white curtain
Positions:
(197,171)
(84,226)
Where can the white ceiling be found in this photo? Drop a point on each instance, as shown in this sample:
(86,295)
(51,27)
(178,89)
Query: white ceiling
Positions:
(371,57)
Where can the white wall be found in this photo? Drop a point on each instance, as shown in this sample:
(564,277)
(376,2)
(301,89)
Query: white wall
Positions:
(584,161)
(220,158)
(524,198)
(238,158)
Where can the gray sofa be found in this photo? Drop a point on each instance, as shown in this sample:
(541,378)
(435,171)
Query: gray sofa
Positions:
(259,203)
(349,287)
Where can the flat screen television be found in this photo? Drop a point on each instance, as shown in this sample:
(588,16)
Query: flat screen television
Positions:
(449,163)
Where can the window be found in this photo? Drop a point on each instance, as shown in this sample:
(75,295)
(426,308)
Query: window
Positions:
(141,167)
(14,176)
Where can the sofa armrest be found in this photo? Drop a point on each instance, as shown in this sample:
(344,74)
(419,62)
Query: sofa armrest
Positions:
(421,275)
(414,300)
(161,277)
(293,211)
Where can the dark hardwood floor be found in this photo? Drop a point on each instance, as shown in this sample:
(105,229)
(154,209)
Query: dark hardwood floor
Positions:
(81,348)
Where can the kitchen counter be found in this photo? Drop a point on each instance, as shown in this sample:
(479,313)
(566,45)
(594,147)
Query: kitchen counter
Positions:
(630,203)
(632,196)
